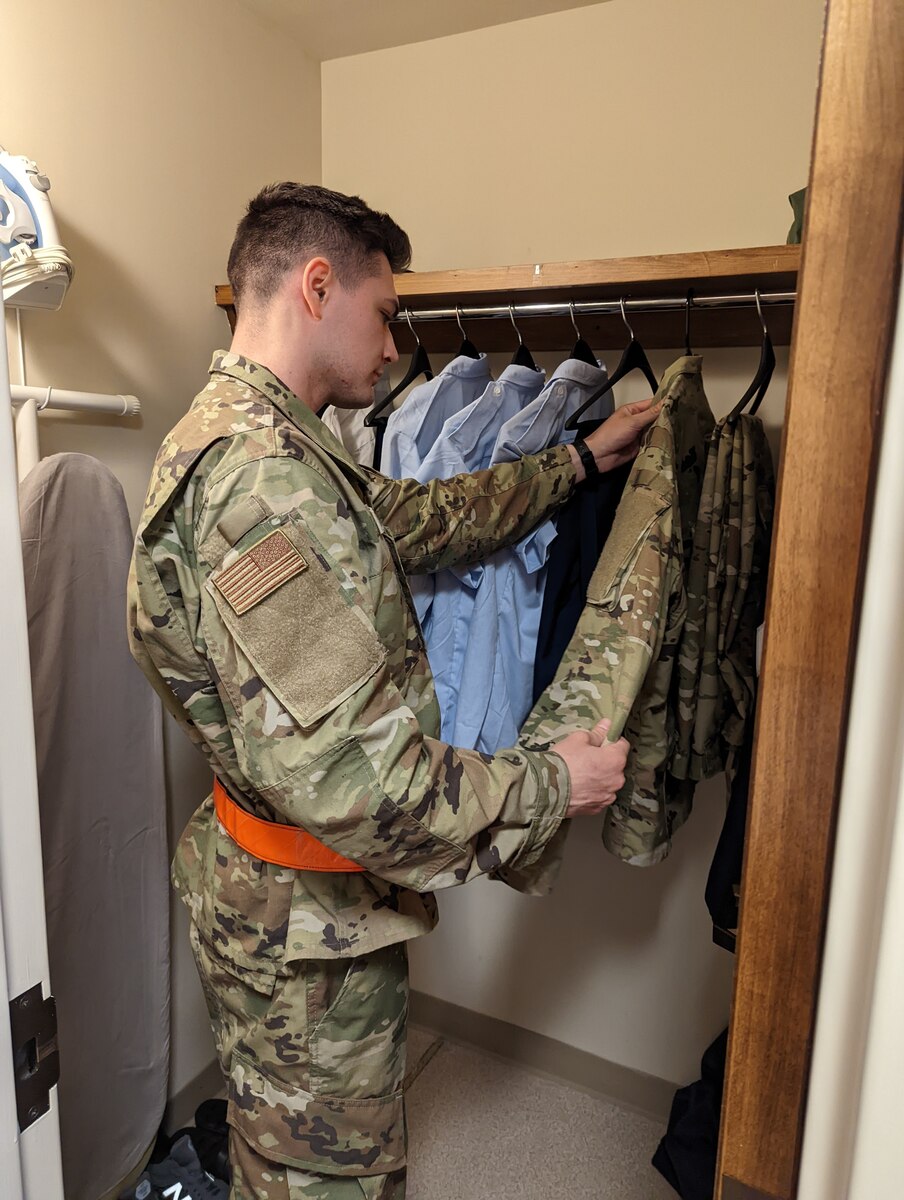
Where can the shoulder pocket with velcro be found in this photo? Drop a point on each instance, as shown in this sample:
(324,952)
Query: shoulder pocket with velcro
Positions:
(629,538)
(283,601)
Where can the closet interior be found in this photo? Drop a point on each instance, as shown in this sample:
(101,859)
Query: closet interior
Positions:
(618,980)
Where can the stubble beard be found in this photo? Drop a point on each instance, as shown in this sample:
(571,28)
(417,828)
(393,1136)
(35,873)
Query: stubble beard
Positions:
(345,393)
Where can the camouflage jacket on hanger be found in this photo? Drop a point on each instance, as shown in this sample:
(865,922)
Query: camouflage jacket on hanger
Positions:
(620,660)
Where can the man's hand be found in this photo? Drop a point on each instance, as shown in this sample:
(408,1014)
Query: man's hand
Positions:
(617,440)
(596,767)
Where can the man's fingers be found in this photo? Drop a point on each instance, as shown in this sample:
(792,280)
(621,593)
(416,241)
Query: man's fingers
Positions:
(640,406)
(645,412)
(598,733)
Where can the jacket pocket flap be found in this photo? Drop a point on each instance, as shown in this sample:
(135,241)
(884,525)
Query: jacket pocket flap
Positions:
(634,525)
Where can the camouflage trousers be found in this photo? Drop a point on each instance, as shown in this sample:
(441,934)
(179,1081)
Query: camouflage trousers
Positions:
(255,1177)
(314,1059)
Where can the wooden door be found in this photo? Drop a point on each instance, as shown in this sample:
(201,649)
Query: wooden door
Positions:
(845,314)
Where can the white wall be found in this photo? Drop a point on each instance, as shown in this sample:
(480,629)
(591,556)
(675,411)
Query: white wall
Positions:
(156,123)
(633,127)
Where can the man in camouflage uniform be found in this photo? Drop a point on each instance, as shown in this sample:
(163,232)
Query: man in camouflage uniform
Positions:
(269,609)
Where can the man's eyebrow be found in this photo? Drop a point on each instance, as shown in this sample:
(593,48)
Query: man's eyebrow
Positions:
(395,306)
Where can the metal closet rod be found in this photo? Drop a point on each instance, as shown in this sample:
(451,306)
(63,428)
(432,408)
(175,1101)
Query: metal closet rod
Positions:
(590,307)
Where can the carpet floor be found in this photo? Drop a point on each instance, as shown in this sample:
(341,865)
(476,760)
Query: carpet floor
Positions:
(482,1128)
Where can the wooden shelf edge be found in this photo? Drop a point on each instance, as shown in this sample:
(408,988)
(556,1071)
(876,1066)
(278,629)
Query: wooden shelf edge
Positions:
(698,267)
(683,269)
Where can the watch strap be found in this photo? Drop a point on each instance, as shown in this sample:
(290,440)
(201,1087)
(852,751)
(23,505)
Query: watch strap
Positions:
(586,456)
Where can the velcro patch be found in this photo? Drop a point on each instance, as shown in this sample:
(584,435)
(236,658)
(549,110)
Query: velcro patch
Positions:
(260,571)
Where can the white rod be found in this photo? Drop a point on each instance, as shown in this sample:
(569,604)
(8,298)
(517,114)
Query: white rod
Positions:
(10,1162)
(51,397)
(28,447)
(21,346)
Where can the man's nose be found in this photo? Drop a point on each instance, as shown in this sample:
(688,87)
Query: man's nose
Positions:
(390,354)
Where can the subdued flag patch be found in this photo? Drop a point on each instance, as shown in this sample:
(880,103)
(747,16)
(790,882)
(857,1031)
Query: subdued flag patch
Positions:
(260,571)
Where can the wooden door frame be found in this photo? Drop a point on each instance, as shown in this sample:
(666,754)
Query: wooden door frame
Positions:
(839,362)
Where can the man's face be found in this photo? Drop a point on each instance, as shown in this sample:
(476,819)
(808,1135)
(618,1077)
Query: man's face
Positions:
(356,342)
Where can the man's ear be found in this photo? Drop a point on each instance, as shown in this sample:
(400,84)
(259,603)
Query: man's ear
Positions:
(317,281)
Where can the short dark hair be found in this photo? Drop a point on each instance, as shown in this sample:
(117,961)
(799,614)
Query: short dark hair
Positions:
(289,223)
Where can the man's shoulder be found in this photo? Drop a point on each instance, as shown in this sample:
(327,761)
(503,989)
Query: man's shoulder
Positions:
(230,425)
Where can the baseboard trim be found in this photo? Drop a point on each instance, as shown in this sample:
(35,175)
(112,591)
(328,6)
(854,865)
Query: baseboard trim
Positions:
(646,1094)
(180,1109)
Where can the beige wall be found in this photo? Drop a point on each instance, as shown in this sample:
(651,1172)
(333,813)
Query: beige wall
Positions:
(632,127)
(154,132)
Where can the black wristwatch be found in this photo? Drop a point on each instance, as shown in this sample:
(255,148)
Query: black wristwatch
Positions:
(585,454)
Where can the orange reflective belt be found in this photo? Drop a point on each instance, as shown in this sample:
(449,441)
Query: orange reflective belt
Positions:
(283,845)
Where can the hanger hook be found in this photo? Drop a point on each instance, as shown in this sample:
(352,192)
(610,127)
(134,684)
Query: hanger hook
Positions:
(411,326)
(687,320)
(624,317)
(574,324)
(461,328)
(759,309)
(511,309)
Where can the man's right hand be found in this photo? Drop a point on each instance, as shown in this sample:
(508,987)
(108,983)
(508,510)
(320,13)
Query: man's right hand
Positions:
(596,767)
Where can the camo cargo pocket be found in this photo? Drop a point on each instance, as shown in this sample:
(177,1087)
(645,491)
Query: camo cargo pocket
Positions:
(315,1068)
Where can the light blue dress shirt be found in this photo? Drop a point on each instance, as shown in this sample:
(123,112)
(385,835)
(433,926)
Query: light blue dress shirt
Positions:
(496,678)
(542,424)
(414,427)
(449,602)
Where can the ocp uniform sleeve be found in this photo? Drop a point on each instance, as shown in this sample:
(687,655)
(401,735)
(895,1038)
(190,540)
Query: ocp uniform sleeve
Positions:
(322,729)
(467,517)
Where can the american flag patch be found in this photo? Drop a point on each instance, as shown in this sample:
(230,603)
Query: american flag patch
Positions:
(260,571)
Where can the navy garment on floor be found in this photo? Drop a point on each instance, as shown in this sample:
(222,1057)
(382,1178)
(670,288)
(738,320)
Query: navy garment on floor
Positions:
(686,1156)
(582,525)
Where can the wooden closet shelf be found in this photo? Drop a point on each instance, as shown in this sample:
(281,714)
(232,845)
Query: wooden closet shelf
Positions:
(720,272)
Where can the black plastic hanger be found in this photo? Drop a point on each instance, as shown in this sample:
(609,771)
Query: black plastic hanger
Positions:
(522,356)
(419,365)
(633,359)
(763,376)
(467,347)
(582,350)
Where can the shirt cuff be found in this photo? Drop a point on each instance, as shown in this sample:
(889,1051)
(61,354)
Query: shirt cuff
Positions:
(553,796)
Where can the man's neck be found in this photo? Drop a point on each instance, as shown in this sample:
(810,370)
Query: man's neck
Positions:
(288,368)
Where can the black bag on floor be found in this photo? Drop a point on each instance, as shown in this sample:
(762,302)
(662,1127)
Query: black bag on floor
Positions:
(686,1156)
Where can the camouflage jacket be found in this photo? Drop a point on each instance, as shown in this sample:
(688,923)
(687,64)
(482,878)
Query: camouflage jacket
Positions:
(726,601)
(619,662)
(268,607)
